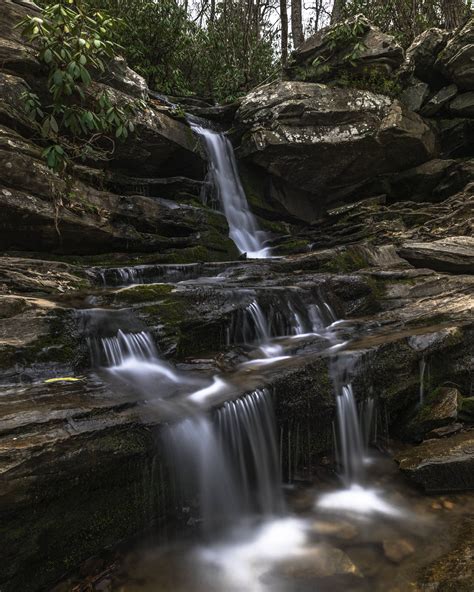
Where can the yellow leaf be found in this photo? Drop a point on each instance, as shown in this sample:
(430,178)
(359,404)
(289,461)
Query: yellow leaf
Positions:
(64,379)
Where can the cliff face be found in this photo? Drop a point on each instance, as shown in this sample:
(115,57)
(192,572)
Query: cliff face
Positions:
(368,199)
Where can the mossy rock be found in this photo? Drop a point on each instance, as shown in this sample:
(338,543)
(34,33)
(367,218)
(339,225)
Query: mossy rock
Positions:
(439,409)
(466,410)
(142,293)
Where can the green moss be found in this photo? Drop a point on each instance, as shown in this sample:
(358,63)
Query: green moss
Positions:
(345,262)
(142,293)
(292,247)
(371,78)
(466,409)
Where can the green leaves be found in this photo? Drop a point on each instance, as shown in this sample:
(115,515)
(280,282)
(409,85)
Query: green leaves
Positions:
(55,157)
(71,43)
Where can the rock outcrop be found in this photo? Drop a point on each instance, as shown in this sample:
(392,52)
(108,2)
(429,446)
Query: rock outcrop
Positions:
(352,135)
(324,54)
(44,212)
(454,254)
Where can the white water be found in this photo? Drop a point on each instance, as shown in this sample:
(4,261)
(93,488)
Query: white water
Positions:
(231,458)
(243,227)
(422,380)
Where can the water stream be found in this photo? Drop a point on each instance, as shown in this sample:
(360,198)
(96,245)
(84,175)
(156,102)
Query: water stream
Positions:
(220,442)
(243,227)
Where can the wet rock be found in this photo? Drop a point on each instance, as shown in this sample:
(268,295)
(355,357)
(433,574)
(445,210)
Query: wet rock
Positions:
(444,431)
(454,254)
(466,409)
(445,464)
(318,562)
(439,409)
(456,60)
(29,194)
(398,550)
(452,572)
(379,51)
(338,529)
(72,455)
(352,134)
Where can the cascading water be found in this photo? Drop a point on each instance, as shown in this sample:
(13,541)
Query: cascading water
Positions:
(351,449)
(243,228)
(230,459)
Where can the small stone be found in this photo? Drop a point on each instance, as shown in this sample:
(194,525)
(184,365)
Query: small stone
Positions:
(436,506)
(448,505)
(321,561)
(445,431)
(397,550)
(338,529)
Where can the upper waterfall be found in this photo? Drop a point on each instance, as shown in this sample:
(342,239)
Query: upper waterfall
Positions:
(243,227)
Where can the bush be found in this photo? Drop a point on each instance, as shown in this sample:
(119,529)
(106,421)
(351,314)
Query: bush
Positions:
(73,44)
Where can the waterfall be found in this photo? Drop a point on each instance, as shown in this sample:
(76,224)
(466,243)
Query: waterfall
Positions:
(125,346)
(229,459)
(243,228)
(422,380)
(351,449)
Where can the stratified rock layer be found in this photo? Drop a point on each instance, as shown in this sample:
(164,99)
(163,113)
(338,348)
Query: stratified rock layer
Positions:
(445,464)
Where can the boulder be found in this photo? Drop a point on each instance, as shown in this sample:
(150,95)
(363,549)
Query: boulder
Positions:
(456,135)
(445,464)
(456,61)
(121,77)
(453,254)
(415,94)
(439,100)
(325,53)
(421,56)
(328,141)
(466,410)
(439,409)
(463,105)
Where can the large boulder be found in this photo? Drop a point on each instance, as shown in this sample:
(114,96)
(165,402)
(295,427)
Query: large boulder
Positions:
(325,53)
(445,464)
(328,141)
(456,61)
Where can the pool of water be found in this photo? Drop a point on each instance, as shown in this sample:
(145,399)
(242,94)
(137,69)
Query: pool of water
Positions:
(382,537)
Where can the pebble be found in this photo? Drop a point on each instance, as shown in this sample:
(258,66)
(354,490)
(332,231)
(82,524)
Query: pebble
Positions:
(397,550)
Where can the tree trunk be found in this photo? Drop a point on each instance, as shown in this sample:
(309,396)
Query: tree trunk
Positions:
(284,31)
(337,13)
(454,13)
(297,23)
